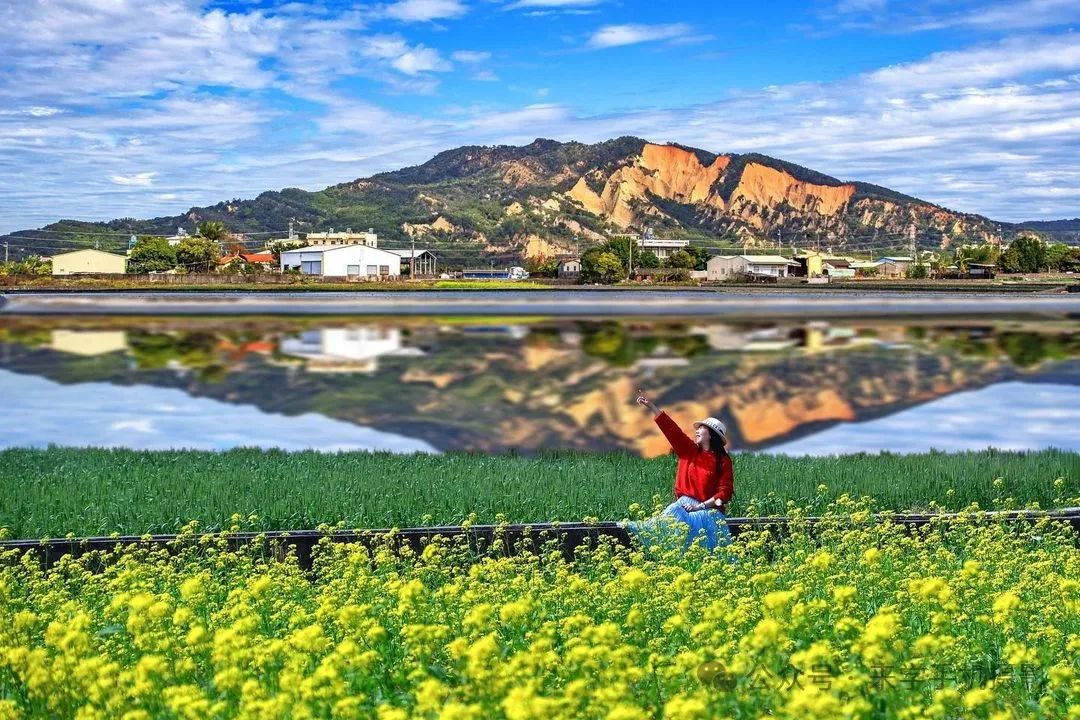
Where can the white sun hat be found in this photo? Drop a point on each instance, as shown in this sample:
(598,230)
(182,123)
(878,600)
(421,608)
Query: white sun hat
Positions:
(714,424)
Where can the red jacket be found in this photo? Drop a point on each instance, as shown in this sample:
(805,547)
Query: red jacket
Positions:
(698,474)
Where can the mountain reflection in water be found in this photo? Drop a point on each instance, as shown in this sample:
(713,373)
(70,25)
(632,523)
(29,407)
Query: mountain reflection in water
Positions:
(531,383)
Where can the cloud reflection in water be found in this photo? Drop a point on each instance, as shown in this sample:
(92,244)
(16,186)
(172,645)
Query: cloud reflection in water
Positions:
(1007,416)
(39,412)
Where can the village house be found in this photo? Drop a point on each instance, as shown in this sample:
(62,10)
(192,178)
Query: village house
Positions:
(88,261)
(837,268)
(816,263)
(367,239)
(894,266)
(263,260)
(728,267)
(348,261)
(570,268)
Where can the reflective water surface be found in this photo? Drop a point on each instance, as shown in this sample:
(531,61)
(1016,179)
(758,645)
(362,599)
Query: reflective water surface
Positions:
(495,384)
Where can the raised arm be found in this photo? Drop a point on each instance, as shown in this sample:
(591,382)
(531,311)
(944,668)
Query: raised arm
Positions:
(680,441)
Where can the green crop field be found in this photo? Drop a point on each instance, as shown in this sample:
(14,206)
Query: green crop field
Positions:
(56,491)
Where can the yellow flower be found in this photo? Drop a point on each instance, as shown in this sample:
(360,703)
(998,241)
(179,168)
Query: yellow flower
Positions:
(634,578)
(514,612)
(680,708)
(766,633)
(842,594)
(978,697)
(623,711)
(1004,605)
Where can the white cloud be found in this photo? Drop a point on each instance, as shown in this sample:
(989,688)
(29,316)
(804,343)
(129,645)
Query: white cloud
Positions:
(425,10)
(851,6)
(139,425)
(142,179)
(33,111)
(552,4)
(935,15)
(618,35)
(407,59)
(470,56)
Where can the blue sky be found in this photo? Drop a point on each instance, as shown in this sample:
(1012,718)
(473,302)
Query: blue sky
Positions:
(114,108)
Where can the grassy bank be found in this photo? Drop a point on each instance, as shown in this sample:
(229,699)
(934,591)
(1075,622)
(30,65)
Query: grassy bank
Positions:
(93,492)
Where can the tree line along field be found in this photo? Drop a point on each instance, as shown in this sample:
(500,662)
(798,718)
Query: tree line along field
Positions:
(56,491)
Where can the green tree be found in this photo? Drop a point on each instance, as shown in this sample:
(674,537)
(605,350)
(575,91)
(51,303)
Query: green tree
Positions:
(984,253)
(542,267)
(213,230)
(279,246)
(32,265)
(681,259)
(598,265)
(701,257)
(151,254)
(198,254)
(919,271)
(1026,254)
(1057,257)
(646,259)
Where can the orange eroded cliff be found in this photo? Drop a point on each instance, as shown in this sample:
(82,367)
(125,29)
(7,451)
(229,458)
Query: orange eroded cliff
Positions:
(769,187)
(663,170)
(677,174)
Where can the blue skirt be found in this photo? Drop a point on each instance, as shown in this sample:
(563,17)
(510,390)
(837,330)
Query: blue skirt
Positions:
(676,523)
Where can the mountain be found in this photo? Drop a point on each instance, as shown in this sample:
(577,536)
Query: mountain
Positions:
(551,197)
(1066,231)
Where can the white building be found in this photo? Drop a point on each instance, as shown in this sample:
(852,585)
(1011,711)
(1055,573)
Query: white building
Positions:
(661,247)
(725,267)
(368,239)
(351,261)
(180,236)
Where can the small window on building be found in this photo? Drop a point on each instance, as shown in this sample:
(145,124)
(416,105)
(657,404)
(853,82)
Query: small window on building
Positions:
(311,267)
(384,269)
(353,270)
(372,269)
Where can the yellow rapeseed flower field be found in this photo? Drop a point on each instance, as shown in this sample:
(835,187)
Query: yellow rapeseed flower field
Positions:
(858,619)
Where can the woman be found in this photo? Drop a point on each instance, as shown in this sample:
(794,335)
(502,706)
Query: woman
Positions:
(704,483)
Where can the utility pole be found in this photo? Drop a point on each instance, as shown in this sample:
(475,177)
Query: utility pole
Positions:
(779,243)
(5,251)
(292,235)
(630,246)
(412,259)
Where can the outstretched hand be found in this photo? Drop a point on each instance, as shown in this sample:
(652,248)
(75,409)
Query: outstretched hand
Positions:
(644,401)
